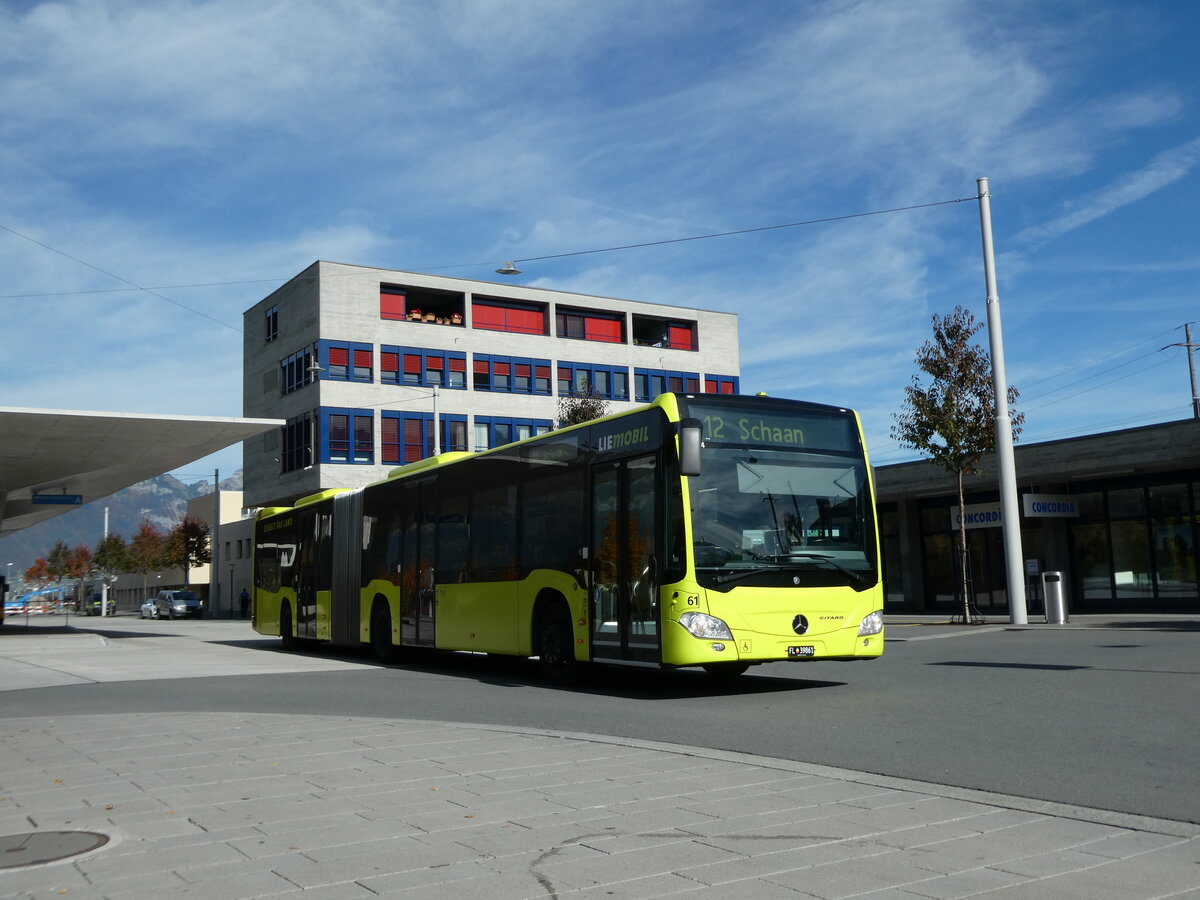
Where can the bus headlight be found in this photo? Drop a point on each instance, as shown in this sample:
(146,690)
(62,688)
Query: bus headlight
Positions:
(705,626)
(872,624)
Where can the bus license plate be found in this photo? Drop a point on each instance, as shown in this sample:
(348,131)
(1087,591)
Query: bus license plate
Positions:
(797,652)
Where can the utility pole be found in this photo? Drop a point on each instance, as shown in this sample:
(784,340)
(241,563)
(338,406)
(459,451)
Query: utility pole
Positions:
(1187,342)
(214,583)
(1010,509)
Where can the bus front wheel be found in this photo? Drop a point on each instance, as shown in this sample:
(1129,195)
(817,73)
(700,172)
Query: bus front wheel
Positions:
(556,650)
(381,633)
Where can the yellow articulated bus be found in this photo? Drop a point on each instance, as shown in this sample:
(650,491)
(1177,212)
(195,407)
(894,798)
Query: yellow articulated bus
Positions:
(701,530)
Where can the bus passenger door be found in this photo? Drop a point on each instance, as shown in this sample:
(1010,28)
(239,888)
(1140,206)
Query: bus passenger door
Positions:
(417,584)
(624,594)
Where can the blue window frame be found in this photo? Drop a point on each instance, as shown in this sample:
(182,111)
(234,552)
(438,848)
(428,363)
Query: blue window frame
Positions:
(406,437)
(347,436)
(495,431)
(609,382)
(346,361)
(422,368)
(649,383)
(721,384)
(511,374)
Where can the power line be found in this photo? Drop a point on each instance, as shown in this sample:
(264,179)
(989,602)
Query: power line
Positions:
(704,237)
(699,237)
(150,291)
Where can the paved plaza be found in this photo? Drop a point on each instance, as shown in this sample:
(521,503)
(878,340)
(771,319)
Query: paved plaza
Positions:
(231,805)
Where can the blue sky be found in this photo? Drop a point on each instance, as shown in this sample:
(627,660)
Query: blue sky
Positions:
(208,151)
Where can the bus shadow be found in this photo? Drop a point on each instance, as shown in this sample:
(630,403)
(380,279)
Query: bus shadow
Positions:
(591,678)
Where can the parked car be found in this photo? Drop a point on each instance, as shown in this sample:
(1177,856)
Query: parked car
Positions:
(177,605)
(149,610)
(91,606)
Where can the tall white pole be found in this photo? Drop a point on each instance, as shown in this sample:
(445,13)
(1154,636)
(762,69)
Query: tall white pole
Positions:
(437,424)
(104,577)
(1010,509)
(214,565)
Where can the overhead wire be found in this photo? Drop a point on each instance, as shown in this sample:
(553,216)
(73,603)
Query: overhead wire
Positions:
(231,283)
(120,278)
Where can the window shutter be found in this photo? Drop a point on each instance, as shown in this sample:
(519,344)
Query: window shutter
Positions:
(391,305)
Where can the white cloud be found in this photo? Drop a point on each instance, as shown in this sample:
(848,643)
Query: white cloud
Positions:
(1164,169)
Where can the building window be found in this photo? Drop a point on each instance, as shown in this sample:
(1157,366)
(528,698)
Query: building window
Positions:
(720,384)
(407,437)
(391,303)
(590,325)
(511,374)
(609,382)
(649,383)
(347,436)
(494,314)
(412,366)
(494,431)
(298,370)
(297,443)
(272,323)
(347,361)
(670,334)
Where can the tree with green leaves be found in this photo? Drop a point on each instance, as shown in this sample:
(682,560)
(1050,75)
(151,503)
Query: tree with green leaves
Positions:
(580,405)
(187,545)
(951,417)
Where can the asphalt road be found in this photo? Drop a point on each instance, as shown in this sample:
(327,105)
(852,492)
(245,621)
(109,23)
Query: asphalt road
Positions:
(1104,716)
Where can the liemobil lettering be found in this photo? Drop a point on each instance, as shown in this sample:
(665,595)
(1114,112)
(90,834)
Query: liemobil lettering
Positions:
(622,439)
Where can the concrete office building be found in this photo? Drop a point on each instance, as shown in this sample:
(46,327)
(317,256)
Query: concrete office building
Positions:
(1117,514)
(362,362)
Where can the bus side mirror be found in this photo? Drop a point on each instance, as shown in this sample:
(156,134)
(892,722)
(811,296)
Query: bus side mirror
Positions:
(690,431)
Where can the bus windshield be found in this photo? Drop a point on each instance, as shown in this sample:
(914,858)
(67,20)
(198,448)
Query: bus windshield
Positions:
(765,514)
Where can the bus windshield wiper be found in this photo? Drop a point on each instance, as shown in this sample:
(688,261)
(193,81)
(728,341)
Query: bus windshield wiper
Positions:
(856,577)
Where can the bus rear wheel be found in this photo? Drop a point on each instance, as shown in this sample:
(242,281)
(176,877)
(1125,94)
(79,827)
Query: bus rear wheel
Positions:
(556,649)
(286,636)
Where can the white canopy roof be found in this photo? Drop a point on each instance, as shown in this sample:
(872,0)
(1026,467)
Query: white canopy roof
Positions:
(47,452)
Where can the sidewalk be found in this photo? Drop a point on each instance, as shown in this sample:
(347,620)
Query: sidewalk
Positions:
(225,805)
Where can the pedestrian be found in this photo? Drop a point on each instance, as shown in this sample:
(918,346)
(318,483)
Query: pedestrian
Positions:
(244,600)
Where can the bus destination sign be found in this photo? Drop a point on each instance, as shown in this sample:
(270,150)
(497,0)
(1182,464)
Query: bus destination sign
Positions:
(771,428)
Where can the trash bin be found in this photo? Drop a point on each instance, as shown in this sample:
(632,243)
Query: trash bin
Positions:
(1055,598)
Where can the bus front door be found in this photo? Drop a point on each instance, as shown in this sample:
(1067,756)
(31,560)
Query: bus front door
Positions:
(624,593)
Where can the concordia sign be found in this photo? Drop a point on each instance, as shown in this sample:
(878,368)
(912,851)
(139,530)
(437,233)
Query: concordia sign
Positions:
(978,515)
(1050,506)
